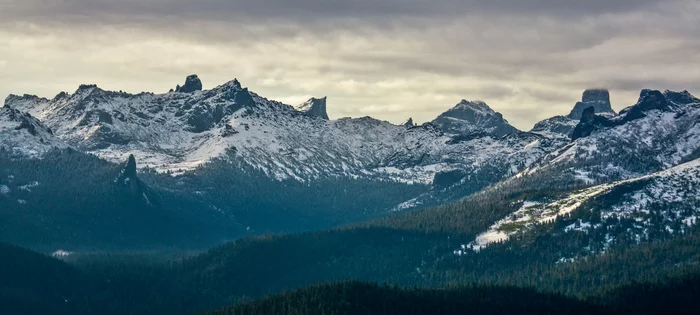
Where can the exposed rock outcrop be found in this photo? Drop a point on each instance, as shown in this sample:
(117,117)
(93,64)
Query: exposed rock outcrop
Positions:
(129,180)
(589,123)
(314,107)
(599,99)
(242,97)
(192,83)
(649,100)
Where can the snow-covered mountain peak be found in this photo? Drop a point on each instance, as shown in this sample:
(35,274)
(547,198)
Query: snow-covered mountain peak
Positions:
(473,117)
(21,102)
(314,107)
(480,106)
(649,100)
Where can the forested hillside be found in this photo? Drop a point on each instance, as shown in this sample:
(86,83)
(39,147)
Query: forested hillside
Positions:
(362,298)
(675,296)
(620,282)
(75,201)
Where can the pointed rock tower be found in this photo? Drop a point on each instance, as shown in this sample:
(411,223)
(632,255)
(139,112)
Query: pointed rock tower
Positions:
(130,169)
(129,180)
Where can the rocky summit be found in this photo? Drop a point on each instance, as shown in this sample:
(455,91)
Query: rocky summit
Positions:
(192,83)
(599,99)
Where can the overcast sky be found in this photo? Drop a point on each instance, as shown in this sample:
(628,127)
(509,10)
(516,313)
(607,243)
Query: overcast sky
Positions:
(390,59)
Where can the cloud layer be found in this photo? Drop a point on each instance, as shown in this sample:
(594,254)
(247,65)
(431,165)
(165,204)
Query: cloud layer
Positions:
(390,59)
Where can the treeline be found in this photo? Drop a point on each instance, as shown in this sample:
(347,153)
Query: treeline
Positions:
(674,296)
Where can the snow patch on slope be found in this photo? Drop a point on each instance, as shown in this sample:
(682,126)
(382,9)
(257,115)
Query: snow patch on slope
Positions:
(676,186)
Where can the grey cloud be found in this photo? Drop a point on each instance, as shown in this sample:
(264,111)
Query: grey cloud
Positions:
(529,59)
(636,85)
(315,9)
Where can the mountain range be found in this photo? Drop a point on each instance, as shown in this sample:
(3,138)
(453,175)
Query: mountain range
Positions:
(187,142)
(183,129)
(579,205)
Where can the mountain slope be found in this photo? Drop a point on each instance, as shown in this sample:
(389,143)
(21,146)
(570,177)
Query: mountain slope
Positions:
(661,204)
(557,126)
(24,136)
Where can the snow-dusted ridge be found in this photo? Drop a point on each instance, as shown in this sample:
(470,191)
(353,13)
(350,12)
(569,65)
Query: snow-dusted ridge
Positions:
(641,149)
(659,132)
(179,131)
